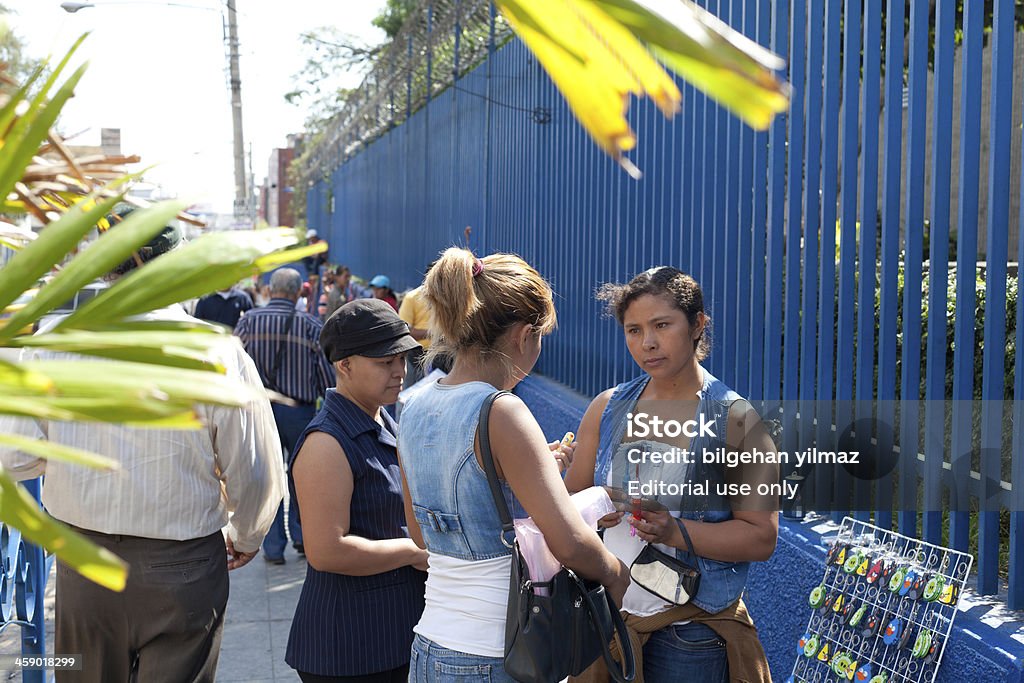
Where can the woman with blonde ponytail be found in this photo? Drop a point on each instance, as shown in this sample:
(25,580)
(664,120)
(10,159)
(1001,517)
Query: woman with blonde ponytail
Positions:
(491,315)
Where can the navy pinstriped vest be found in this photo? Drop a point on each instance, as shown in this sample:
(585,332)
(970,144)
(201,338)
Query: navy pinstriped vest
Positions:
(357,625)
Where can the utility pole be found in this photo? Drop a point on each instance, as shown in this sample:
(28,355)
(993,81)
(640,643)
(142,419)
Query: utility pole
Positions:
(242,197)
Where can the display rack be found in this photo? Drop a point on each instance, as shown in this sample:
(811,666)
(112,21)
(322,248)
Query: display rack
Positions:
(897,598)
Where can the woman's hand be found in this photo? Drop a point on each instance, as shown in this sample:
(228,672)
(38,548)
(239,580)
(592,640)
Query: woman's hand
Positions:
(610,520)
(659,527)
(563,454)
(419,559)
(617,590)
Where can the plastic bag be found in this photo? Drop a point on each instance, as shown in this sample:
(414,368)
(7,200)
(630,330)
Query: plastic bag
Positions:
(592,504)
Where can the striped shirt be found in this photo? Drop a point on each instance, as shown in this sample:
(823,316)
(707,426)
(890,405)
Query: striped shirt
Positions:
(304,373)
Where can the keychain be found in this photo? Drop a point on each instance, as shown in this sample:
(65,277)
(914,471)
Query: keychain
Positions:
(922,644)
(817,596)
(875,571)
(896,579)
(934,587)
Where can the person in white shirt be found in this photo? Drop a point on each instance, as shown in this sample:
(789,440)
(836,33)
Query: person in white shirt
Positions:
(162,512)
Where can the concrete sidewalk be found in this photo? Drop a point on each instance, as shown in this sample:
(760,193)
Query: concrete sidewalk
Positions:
(259,615)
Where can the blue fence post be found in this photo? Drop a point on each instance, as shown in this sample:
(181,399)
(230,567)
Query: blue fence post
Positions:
(794,223)
(776,224)
(1016,594)
(992,386)
(847,238)
(823,481)
(759,218)
(935,377)
(745,227)
(961,446)
(865,354)
(913,250)
(489,125)
(812,227)
(889,278)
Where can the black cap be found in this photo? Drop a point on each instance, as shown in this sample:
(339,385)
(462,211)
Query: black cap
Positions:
(365,327)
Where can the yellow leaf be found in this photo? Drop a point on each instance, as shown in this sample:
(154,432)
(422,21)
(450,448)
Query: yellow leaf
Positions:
(595,62)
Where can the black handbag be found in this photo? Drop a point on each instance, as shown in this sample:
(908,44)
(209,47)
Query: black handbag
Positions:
(665,576)
(549,637)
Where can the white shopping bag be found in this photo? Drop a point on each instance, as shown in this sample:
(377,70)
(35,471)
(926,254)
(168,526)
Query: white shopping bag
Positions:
(592,503)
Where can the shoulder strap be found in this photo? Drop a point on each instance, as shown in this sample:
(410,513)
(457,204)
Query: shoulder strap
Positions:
(276,368)
(488,459)
(686,536)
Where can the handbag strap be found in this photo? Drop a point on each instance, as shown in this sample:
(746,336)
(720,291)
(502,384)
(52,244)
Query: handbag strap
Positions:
(488,460)
(686,537)
(625,644)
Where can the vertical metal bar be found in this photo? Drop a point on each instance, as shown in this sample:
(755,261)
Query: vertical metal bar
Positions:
(489,115)
(758,238)
(707,225)
(795,148)
(910,380)
(889,278)
(430,50)
(746,207)
(698,181)
(690,169)
(847,234)
(1015,599)
(823,481)
(996,244)
(865,354)
(454,129)
(961,450)
(935,369)
(809,328)
(776,222)
(730,284)
(408,78)
(429,200)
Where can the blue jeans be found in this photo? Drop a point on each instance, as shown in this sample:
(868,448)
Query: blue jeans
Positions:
(291,422)
(691,652)
(431,663)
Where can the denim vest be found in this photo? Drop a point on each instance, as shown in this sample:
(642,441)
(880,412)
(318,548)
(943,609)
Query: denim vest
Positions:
(451,499)
(721,583)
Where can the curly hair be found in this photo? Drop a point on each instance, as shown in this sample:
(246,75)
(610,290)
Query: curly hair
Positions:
(681,289)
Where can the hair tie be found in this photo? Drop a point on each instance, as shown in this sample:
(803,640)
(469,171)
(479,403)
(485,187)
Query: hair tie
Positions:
(478,267)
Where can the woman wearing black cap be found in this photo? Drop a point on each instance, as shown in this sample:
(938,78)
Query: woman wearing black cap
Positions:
(364,586)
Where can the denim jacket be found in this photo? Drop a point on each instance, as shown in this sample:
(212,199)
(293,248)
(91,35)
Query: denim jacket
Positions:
(721,582)
(451,499)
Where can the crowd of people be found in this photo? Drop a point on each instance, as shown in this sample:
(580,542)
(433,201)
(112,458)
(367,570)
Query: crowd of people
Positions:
(408,570)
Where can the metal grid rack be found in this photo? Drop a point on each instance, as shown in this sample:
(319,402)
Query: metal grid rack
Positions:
(831,622)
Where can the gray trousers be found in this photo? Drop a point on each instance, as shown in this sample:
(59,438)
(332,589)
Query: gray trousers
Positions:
(165,626)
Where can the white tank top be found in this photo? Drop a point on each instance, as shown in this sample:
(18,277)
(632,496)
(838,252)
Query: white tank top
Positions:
(465,604)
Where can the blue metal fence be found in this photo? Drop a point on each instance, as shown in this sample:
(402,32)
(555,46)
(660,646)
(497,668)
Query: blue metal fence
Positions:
(24,569)
(758,218)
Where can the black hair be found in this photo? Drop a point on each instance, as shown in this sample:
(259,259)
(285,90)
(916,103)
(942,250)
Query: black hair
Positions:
(681,289)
